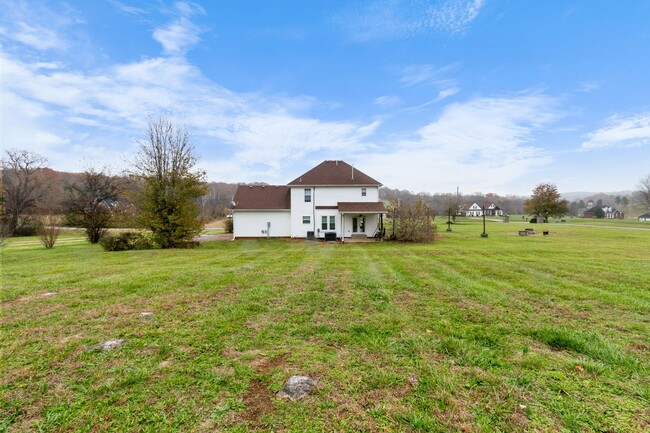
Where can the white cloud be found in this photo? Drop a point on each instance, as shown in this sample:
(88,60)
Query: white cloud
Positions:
(589,86)
(178,36)
(620,131)
(387,101)
(36,37)
(429,75)
(127,9)
(36,26)
(454,16)
(447,92)
(398,19)
(181,34)
(101,114)
(479,145)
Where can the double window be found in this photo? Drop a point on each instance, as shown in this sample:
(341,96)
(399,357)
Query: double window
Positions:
(306,219)
(307,195)
(328,219)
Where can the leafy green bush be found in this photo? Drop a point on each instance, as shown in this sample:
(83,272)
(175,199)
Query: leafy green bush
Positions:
(127,241)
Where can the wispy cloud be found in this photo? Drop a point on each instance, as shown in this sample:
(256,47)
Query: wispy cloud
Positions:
(429,75)
(127,9)
(481,145)
(589,86)
(36,26)
(387,101)
(181,34)
(398,19)
(620,131)
(425,74)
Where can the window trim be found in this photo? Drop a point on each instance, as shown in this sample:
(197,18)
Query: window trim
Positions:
(328,222)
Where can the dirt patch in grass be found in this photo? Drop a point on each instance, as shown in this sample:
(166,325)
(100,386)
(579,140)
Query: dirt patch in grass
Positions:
(265,365)
(258,400)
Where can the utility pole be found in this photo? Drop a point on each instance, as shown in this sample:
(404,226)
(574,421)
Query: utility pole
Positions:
(484,235)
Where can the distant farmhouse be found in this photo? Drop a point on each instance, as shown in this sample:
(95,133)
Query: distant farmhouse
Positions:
(476,210)
(644,217)
(608,212)
(332,200)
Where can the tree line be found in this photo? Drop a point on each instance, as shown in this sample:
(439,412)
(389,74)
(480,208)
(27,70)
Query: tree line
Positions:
(164,193)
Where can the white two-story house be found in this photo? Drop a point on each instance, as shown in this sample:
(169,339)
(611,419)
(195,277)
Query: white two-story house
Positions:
(476,210)
(333,200)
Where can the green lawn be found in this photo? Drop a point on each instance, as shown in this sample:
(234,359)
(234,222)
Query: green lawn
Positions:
(507,333)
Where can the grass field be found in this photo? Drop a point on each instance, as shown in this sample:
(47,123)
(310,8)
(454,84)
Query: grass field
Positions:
(507,333)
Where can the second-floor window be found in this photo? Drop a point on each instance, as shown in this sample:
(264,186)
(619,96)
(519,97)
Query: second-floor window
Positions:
(307,195)
(363,192)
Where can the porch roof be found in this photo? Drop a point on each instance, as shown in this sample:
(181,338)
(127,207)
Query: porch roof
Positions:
(361,207)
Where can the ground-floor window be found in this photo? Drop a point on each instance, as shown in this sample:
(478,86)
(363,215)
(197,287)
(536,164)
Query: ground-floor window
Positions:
(331,220)
(306,219)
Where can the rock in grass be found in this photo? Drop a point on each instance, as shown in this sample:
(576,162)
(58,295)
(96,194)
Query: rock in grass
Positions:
(107,345)
(146,314)
(297,387)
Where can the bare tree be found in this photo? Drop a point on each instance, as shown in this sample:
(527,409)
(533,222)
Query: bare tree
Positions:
(413,223)
(49,230)
(22,185)
(171,185)
(642,193)
(91,202)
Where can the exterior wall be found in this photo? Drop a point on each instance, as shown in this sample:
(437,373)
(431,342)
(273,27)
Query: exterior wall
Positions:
(474,210)
(324,196)
(371,224)
(248,224)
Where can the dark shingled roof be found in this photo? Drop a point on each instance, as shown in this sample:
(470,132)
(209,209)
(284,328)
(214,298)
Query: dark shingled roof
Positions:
(334,173)
(361,207)
(262,197)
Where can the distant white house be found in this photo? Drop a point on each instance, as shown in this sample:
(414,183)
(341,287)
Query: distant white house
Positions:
(608,212)
(476,210)
(644,217)
(332,200)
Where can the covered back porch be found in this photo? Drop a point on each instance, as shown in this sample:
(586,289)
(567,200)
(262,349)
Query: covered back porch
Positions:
(361,220)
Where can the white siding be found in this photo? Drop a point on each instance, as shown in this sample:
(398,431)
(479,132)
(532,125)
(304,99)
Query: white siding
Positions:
(326,196)
(371,224)
(248,224)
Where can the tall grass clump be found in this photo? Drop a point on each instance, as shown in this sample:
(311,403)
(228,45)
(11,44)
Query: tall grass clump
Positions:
(586,343)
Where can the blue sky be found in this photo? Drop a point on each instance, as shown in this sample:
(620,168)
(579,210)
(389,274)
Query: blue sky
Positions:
(484,95)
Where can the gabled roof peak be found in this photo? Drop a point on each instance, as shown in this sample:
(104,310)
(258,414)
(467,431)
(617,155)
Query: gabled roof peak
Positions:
(334,172)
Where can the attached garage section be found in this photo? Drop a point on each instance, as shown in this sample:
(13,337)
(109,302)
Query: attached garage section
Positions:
(261,211)
(256,224)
